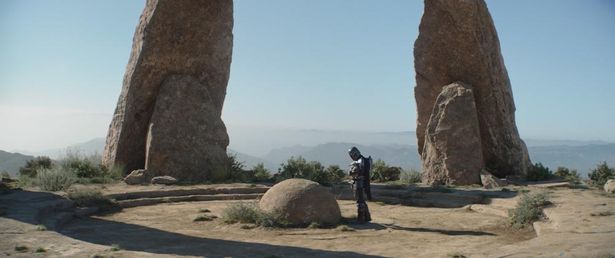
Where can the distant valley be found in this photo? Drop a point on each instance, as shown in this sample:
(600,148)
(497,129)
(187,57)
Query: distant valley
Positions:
(273,147)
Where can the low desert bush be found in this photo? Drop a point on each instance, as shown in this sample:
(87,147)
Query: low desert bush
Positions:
(261,174)
(299,167)
(204,217)
(5,174)
(243,212)
(601,174)
(85,196)
(538,172)
(33,165)
(411,176)
(89,169)
(55,179)
(529,209)
(381,172)
(571,176)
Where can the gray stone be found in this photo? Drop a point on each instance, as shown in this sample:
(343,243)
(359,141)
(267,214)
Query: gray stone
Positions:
(175,42)
(452,150)
(458,42)
(490,181)
(164,180)
(136,177)
(302,202)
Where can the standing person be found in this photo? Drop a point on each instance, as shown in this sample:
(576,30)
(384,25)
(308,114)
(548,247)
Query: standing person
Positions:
(359,171)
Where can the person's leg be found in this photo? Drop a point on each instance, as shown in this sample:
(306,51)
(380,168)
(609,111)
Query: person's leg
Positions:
(361,205)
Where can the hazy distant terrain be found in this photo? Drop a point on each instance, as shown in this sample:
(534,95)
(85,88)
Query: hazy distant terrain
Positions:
(274,146)
(11,162)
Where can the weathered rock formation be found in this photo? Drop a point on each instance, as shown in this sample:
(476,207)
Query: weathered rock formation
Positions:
(490,181)
(302,202)
(452,151)
(168,114)
(458,42)
(609,186)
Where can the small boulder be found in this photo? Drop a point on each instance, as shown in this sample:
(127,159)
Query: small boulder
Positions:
(609,187)
(136,177)
(164,180)
(302,202)
(490,181)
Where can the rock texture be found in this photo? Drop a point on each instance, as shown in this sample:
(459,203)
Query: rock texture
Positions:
(609,187)
(186,135)
(452,150)
(458,42)
(137,177)
(490,181)
(302,202)
(178,46)
(164,180)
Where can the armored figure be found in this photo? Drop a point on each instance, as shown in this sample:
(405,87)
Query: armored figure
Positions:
(359,171)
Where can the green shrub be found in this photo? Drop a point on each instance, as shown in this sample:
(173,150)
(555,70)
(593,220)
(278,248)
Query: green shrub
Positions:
(204,217)
(528,209)
(601,174)
(261,173)
(568,175)
(335,174)
(21,248)
(313,170)
(55,179)
(381,172)
(237,171)
(243,212)
(85,196)
(33,165)
(5,174)
(84,167)
(538,172)
(411,176)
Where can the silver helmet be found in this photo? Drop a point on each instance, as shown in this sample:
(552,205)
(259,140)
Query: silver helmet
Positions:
(354,153)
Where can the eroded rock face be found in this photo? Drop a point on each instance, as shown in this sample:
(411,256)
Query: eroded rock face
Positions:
(187,138)
(452,150)
(137,176)
(458,42)
(490,181)
(302,202)
(175,42)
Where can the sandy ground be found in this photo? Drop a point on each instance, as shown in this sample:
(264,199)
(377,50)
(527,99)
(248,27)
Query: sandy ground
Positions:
(578,226)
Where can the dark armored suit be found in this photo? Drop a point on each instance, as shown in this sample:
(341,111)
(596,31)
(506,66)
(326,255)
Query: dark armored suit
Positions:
(359,172)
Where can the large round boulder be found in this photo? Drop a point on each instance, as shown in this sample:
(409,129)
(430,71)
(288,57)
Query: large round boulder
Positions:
(609,187)
(302,202)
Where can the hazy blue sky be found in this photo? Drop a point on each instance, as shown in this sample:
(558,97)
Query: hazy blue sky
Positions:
(303,64)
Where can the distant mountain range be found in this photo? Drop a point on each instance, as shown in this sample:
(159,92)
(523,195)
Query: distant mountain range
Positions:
(11,162)
(330,148)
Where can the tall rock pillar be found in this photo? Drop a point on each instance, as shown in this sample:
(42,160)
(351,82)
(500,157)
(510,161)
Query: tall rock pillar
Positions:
(168,113)
(458,42)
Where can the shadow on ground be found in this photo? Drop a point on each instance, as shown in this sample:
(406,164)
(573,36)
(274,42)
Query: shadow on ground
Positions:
(25,206)
(380,226)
